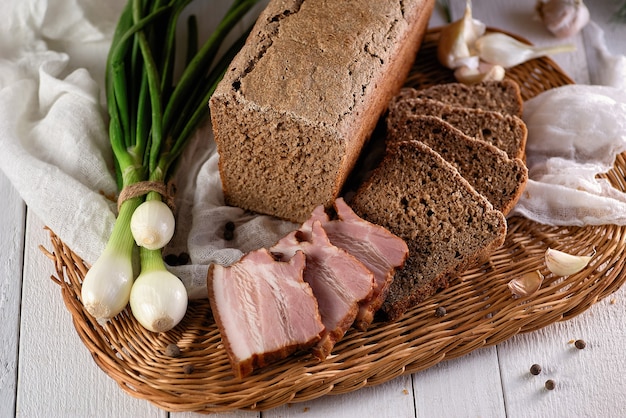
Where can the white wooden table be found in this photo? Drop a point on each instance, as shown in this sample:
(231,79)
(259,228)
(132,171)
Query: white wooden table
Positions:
(45,371)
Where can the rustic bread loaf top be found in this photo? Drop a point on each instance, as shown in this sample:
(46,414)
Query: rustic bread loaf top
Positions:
(305,92)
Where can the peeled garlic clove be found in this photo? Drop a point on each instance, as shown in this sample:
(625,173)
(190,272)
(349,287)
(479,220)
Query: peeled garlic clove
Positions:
(564,18)
(564,264)
(456,39)
(527,284)
(484,72)
(501,49)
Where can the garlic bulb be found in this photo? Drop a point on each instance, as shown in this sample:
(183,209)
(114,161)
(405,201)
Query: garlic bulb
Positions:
(158,300)
(484,72)
(564,18)
(456,39)
(501,49)
(564,264)
(152,224)
(527,284)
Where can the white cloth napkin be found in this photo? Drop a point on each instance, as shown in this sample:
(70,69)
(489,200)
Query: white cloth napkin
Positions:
(575,133)
(55,150)
(55,147)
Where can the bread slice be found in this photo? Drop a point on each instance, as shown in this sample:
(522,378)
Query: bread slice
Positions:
(507,132)
(500,96)
(305,92)
(447,225)
(488,169)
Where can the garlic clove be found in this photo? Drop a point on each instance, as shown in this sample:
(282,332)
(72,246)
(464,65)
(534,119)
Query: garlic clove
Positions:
(484,72)
(501,49)
(526,284)
(564,264)
(456,39)
(564,18)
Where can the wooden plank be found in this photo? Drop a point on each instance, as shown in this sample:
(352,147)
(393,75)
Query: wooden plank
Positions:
(466,386)
(11,247)
(589,382)
(389,400)
(57,376)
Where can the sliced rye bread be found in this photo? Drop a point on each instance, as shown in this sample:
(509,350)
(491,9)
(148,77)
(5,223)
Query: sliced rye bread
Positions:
(487,168)
(507,132)
(500,96)
(447,225)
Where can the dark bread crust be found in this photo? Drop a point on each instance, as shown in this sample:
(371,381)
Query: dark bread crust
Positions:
(507,132)
(487,168)
(499,96)
(299,101)
(447,225)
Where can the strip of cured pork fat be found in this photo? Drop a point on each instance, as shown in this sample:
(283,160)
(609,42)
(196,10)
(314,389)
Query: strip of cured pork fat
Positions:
(339,282)
(378,249)
(264,309)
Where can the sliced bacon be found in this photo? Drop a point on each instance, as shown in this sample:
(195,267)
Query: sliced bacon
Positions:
(339,282)
(378,249)
(264,309)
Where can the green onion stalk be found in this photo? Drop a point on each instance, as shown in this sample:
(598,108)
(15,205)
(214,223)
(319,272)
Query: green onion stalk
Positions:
(152,118)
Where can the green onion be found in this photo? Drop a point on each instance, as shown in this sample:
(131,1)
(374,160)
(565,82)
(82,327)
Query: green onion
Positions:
(152,118)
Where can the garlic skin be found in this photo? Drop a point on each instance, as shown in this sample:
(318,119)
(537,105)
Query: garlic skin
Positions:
(564,18)
(501,49)
(527,284)
(484,72)
(152,224)
(158,300)
(564,264)
(456,39)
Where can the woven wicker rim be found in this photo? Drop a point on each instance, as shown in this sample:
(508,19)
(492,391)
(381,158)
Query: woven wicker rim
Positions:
(480,309)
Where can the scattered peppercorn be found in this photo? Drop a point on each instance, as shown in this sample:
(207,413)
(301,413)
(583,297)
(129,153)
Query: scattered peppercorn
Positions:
(183,258)
(171,259)
(550,385)
(172,350)
(440,312)
(580,344)
(230,226)
(229,235)
(535,369)
(188,368)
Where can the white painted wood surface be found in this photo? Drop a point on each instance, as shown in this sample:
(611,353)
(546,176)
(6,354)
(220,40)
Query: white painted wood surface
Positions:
(46,372)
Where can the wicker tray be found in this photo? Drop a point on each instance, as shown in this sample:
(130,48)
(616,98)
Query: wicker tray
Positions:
(480,310)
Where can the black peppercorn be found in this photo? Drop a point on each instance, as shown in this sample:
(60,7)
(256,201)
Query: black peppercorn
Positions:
(228,235)
(550,385)
(183,258)
(580,344)
(230,226)
(188,368)
(172,350)
(171,260)
(440,312)
(535,369)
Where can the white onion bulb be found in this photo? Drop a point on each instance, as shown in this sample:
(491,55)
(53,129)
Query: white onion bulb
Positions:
(158,300)
(107,285)
(152,224)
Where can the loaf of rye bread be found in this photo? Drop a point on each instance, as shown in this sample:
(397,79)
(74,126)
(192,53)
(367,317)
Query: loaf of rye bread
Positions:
(447,225)
(507,132)
(488,169)
(500,96)
(305,92)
